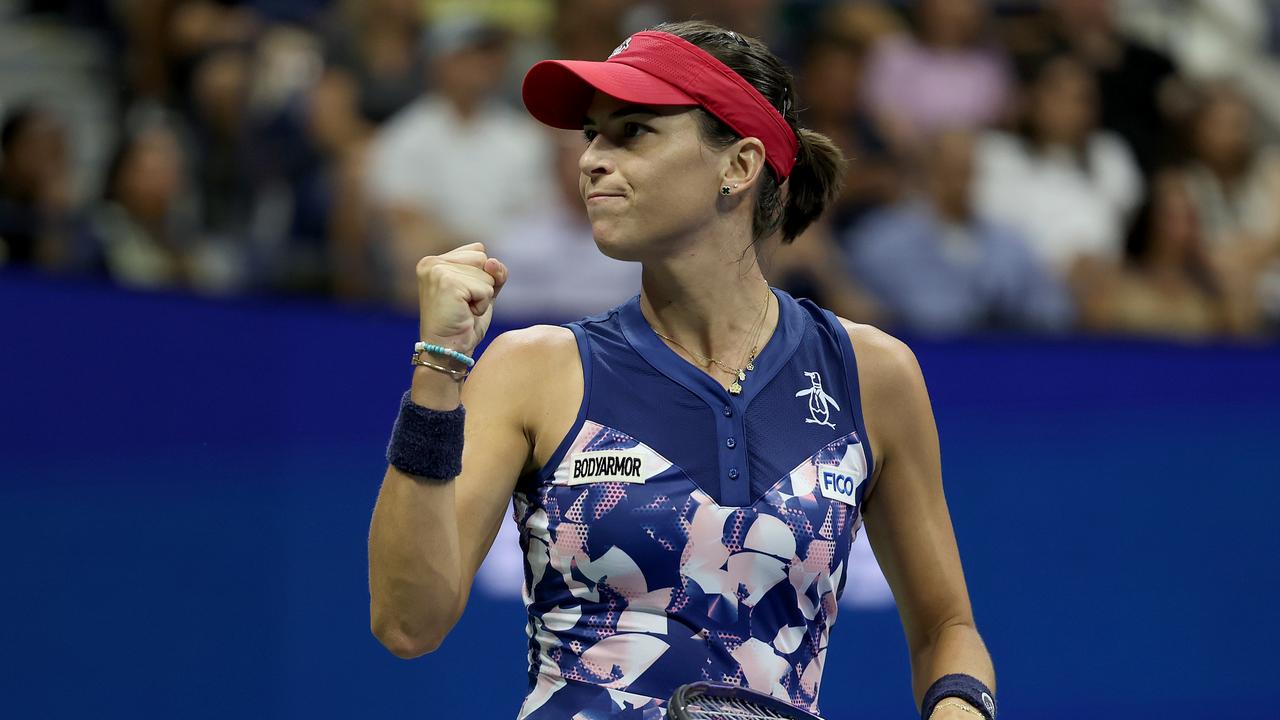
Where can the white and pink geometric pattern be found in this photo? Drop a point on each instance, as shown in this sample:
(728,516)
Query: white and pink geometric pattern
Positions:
(638,585)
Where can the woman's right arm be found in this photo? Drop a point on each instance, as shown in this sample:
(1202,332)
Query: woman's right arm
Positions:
(428,537)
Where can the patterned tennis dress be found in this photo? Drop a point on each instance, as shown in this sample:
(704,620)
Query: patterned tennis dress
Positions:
(682,533)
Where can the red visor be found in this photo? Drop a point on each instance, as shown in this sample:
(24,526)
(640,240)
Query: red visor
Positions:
(657,68)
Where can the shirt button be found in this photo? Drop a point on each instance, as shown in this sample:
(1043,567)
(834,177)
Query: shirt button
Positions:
(733,473)
(730,443)
(728,411)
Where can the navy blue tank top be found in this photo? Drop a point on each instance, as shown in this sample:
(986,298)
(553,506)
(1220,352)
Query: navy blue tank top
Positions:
(681,533)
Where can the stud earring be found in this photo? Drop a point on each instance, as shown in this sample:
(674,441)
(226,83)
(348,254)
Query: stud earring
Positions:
(724,190)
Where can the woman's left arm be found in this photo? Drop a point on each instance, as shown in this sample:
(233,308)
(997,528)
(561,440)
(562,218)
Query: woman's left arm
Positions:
(907,521)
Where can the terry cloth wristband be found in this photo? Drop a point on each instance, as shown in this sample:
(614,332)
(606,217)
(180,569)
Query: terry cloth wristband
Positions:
(426,443)
(965,687)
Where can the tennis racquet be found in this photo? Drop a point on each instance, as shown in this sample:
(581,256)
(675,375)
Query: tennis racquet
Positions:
(720,701)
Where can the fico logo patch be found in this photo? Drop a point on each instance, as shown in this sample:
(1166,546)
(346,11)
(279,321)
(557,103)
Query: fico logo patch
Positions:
(839,486)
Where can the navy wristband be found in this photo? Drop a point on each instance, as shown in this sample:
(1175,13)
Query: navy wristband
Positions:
(965,687)
(426,443)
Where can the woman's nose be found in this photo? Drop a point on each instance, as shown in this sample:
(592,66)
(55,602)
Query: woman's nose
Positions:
(595,160)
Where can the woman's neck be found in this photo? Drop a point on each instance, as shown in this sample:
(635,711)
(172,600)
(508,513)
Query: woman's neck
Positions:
(714,302)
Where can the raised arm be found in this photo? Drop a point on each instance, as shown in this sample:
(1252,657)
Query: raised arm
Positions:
(908,523)
(429,535)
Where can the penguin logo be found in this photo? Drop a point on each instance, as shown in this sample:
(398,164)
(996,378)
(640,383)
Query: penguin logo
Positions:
(820,403)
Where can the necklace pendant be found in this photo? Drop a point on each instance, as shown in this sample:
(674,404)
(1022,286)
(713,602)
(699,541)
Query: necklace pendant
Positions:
(735,388)
(751,365)
(742,376)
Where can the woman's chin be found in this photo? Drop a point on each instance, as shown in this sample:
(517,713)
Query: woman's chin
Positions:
(611,243)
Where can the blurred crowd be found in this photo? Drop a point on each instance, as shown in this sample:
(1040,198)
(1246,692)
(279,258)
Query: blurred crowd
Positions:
(1030,166)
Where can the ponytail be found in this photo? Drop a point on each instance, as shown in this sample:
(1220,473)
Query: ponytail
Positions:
(814,184)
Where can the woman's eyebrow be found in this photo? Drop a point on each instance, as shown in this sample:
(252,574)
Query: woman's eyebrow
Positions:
(624,111)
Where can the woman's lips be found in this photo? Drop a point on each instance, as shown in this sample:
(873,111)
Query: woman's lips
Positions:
(597,198)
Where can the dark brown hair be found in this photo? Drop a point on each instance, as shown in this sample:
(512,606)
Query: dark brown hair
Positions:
(819,171)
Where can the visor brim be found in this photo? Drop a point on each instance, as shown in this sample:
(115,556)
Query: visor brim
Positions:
(559,92)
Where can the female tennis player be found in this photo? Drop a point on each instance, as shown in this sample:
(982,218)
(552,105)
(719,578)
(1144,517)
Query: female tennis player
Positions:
(690,468)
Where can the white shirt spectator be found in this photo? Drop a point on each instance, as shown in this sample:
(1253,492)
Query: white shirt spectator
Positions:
(1066,206)
(1249,207)
(473,176)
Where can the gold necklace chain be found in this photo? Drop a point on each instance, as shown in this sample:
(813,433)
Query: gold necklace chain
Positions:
(739,373)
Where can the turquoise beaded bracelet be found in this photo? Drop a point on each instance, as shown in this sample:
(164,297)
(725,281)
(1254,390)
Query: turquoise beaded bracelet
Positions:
(431,349)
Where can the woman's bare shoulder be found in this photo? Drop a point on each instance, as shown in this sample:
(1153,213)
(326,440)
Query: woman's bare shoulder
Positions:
(534,349)
(526,357)
(534,375)
(884,361)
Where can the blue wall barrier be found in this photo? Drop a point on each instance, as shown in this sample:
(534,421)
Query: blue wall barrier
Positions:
(186,484)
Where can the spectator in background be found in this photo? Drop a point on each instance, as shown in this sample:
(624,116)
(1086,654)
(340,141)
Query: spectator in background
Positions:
(286,159)
(144,233)
(36,202)
(455,166)
(864,24)
(1068,187)
(375,46)
(831,74)
(1138,87)
(556,269)
(831,102)
(1213,40)
(1234,179)
(1168,288)
(167,38)
(944,74)
(587,29)
(939,266)
(812,266)
(758,18)
(334,185)
(1234,182)
(226,157)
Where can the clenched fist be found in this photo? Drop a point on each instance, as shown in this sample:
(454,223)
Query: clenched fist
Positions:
(456,291)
